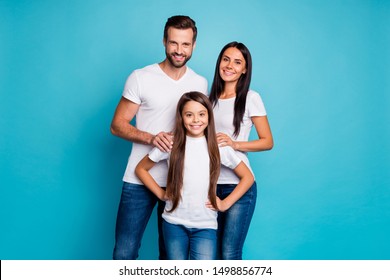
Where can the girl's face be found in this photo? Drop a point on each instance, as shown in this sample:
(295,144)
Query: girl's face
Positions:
(195,118)
(232,65)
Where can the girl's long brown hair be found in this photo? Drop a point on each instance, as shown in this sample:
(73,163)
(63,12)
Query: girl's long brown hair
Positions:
(176,161)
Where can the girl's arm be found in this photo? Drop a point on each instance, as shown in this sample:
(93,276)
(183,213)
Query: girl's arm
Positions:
(263,143)
(142,171)
(246,181)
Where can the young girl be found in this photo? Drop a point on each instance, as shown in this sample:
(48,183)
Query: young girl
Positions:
(190,216)
(237,109)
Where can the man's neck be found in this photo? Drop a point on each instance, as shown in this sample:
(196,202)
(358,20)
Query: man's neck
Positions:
(173,72)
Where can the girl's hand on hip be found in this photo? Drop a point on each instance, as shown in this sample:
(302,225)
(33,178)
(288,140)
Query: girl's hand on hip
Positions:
(220,204)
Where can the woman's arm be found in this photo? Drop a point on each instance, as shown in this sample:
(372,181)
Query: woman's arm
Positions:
(142,171)
(246,181)
(263,143)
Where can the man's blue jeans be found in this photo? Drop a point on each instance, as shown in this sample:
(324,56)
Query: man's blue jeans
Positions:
(135,208)
(184,243)
(233,225)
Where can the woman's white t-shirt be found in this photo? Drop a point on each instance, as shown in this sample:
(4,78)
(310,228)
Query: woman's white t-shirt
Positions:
(223,116)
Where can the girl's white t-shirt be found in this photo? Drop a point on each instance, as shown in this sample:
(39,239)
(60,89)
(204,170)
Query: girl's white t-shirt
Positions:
(192,211)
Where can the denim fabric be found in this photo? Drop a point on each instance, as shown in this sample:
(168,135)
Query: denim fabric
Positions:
(135,208)
(233,225)
(184,243)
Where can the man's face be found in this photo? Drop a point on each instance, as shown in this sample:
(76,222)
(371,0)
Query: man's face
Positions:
(179,46)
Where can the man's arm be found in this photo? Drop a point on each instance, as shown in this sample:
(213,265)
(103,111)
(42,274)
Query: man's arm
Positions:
(121,127)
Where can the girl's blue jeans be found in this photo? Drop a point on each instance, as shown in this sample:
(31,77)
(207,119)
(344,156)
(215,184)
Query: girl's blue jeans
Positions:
(184,243)
(233,225)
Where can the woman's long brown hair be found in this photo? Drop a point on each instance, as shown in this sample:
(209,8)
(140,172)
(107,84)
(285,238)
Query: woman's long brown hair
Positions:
(176,161)
(242,86)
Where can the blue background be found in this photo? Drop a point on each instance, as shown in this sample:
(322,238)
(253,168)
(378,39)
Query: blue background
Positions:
(322,68)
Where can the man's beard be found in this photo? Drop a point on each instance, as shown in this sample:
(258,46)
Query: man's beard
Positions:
(175,63)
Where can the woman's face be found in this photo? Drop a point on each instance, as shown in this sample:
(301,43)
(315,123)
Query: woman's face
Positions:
(232,65)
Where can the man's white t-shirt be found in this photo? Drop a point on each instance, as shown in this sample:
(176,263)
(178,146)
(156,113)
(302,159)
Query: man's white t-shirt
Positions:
(157,94)
(192,211)
(223,116)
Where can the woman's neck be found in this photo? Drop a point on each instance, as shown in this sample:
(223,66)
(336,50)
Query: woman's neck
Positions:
(229,91)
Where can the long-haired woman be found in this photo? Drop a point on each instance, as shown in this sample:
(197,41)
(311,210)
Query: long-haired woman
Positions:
(237,109)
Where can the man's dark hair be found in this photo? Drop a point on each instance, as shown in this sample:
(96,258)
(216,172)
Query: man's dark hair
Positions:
(180,22)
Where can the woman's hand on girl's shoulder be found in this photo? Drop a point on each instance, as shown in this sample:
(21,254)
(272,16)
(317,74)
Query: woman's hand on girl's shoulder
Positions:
(224,140)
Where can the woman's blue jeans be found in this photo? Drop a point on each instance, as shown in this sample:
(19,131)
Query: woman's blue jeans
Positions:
(135,208)
(233,225)
(184,243)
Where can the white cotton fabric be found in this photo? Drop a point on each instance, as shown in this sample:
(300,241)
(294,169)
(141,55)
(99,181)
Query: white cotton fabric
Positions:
(224,114)
(192,211)
(158,95)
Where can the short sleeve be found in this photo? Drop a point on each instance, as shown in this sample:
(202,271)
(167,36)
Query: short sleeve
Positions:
(255,105)
(229,158)
(131,90)
(156,155)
